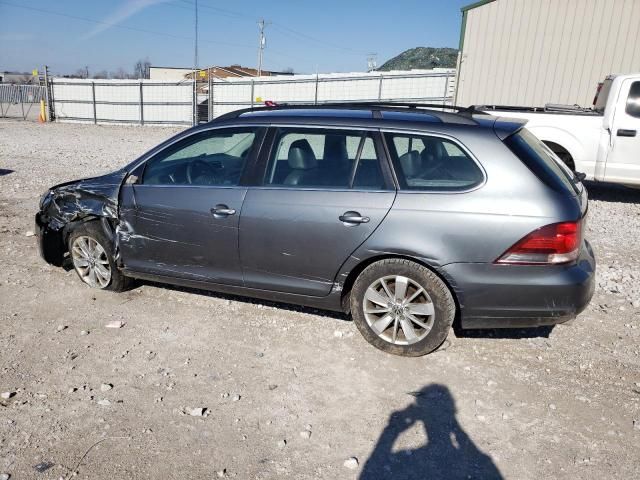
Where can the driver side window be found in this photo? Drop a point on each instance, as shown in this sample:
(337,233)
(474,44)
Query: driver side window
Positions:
(211,158)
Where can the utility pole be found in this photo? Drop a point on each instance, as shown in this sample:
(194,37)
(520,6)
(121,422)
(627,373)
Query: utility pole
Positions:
(262,42)
(46,94)
(195,68)
(86,71)
(195,53)
(372,62)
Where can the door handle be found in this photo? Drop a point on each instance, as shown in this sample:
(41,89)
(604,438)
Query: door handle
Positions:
(353,218)
(222,210)
(626,133)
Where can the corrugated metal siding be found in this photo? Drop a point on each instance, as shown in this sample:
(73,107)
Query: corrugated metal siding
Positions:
(532,52)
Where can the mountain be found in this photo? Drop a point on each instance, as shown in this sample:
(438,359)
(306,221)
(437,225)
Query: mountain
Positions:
(422,57)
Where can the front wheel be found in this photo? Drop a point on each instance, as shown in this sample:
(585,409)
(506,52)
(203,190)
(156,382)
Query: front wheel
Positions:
(402,307)
(91,252)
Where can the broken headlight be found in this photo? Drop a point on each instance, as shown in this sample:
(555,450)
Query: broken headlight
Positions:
(44,198)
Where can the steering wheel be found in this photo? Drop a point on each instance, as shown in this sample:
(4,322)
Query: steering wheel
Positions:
(197,168)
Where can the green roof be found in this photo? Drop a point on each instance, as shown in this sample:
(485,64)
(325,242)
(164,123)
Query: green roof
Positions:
(476,5)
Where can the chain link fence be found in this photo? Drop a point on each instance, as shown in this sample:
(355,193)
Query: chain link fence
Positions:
(413,86)
(142,102)
(20,101)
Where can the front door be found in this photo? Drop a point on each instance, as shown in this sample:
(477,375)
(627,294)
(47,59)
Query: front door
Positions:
(623,160)
(324,193)
(180,218)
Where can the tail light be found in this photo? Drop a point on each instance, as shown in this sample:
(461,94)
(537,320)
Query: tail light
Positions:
(550,245)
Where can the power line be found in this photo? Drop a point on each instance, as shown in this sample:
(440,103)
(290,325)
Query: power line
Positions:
(228,13)
(295,34)
(133,29)
(281,28)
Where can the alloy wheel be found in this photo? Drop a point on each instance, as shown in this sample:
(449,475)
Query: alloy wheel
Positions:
(91,262)
(398,310)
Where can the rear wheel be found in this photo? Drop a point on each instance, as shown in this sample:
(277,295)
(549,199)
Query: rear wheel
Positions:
(562,154)
(92,256)
(401,307)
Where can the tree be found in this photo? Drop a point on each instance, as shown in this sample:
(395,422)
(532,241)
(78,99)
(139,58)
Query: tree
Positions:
(120,74)
(80,73)
(141,69)
(101,74)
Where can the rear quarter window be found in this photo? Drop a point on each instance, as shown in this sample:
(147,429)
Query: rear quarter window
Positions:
(540,160)
(431,163)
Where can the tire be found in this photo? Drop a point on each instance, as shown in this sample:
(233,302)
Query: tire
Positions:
(84,236)
(435,319)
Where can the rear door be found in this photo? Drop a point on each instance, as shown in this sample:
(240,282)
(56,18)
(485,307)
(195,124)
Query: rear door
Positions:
(323,194)
(623,160)
(180,217)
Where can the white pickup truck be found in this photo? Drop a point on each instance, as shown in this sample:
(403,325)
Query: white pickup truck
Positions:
(602,142)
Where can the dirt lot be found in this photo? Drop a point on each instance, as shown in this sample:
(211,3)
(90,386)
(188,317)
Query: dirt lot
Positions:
(292,392)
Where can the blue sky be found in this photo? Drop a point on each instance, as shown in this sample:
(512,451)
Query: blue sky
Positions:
(323,35)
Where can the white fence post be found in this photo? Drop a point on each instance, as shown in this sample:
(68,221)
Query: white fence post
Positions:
(141,105)
(93,96)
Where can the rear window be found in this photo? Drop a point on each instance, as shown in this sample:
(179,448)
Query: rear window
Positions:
(542,162)
(602,95)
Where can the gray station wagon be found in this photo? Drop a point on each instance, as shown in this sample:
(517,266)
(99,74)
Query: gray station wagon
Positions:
(407,217)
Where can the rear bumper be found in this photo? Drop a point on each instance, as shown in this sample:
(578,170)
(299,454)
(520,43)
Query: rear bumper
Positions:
(514,296)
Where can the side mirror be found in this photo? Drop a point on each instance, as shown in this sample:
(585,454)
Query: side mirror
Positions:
(131,179)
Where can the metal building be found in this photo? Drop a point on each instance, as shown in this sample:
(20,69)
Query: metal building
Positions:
(533,52)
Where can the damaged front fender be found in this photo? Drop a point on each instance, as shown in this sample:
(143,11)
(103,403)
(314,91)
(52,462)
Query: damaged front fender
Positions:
(72,203)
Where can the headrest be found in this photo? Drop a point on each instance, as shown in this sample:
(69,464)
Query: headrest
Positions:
(335,150)
(411,163)
(301,156)
(433,150)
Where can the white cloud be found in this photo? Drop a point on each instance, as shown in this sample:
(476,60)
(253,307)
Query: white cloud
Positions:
(126,10)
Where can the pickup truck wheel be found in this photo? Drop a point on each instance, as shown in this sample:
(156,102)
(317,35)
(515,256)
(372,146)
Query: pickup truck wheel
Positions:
(401,307)
(562,154)
(91,252)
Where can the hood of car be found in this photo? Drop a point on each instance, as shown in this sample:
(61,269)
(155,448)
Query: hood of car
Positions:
(70,201)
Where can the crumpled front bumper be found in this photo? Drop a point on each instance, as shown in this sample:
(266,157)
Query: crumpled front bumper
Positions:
(50,242)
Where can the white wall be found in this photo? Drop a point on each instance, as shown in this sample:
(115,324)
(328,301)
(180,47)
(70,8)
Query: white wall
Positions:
(533,52)
(168,74)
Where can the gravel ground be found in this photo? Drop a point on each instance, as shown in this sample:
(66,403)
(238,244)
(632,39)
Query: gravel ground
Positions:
(291,392)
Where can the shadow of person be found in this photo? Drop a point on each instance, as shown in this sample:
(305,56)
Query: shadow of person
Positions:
(448,454)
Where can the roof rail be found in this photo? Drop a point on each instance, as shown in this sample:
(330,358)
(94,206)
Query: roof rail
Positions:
(427,108)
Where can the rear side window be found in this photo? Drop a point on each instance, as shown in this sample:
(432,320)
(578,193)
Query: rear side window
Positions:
(633,100)
(427,163)
(315,158)
(541,161)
